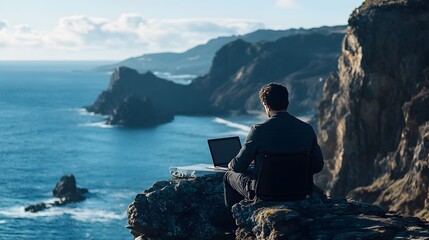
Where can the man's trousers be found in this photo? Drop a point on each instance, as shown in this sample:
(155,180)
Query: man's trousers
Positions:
(237,187)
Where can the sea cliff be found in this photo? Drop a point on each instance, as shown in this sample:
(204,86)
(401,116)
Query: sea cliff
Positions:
(197,60)
(374,115)
(238,70)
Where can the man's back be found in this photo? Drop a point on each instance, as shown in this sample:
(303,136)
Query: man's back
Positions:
(282,134)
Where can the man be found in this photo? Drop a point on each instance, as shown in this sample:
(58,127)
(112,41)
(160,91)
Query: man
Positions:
(281,133)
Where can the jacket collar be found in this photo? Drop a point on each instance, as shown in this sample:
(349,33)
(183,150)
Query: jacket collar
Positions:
(280,114)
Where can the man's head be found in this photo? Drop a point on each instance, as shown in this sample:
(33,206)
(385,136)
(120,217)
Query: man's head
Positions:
(274,97)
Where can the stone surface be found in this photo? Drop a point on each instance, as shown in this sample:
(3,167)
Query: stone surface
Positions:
(178,209)
(66,192)
(192,209)
(321,218)
(374,112)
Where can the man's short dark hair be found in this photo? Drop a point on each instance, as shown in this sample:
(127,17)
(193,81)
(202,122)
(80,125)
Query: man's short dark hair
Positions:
(274,95)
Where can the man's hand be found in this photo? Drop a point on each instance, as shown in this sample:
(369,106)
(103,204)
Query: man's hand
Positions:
(230,166)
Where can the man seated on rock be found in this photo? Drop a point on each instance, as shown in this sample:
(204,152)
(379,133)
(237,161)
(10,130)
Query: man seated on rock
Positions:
(281,133)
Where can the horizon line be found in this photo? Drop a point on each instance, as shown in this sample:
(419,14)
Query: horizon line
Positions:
(61,60)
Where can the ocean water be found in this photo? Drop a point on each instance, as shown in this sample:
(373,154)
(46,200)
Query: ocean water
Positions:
(45,134)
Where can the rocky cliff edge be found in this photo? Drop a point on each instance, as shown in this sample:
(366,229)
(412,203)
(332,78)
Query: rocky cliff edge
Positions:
(190,208)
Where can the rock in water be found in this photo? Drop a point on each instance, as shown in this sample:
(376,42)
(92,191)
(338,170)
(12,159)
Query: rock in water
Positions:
(36,207)
(188,209)
(66,188)
(374,116)
(66,191)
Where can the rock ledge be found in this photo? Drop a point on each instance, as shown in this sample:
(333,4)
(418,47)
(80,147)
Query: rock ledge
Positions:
(191,209)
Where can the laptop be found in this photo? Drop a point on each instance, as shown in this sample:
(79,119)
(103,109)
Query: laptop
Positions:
(223,150)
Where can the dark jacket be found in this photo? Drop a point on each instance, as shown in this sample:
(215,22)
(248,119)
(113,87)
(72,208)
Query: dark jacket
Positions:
(282,133)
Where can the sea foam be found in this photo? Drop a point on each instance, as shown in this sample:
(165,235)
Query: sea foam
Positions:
(84,112)
(243,128)
(80,214)
(230,133)
(97,124)
(306,118)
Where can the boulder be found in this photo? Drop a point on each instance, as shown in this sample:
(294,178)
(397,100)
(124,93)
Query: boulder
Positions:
(178,209)
(66,191)
(36,207)
(324,218)
(192,208)
(66,188)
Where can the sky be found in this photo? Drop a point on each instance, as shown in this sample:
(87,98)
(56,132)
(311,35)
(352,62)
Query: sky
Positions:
(115,30)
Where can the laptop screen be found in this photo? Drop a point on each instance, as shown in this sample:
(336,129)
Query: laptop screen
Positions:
(223,150)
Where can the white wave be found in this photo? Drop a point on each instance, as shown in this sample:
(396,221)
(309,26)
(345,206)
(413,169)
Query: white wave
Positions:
(49,201)
(258,114)
(304,118)
(84,215)
(241,127)
(19,212)
(2,221)
(93,215)
(240,133)
(97,124)
(84,112)
(174,76)
(124,194)
(184,79)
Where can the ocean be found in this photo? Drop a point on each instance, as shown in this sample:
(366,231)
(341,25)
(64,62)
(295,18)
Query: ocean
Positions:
(45,134)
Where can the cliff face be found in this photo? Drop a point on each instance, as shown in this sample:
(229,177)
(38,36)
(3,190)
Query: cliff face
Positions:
(238,71)
(197,60)
(190,208)
(373,118)
(301,62)
(165,95)
(138,112)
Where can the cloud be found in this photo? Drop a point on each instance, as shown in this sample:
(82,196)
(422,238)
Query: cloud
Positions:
(19,36)
(289,4)
(131,32)
(174,34)
(78,33)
